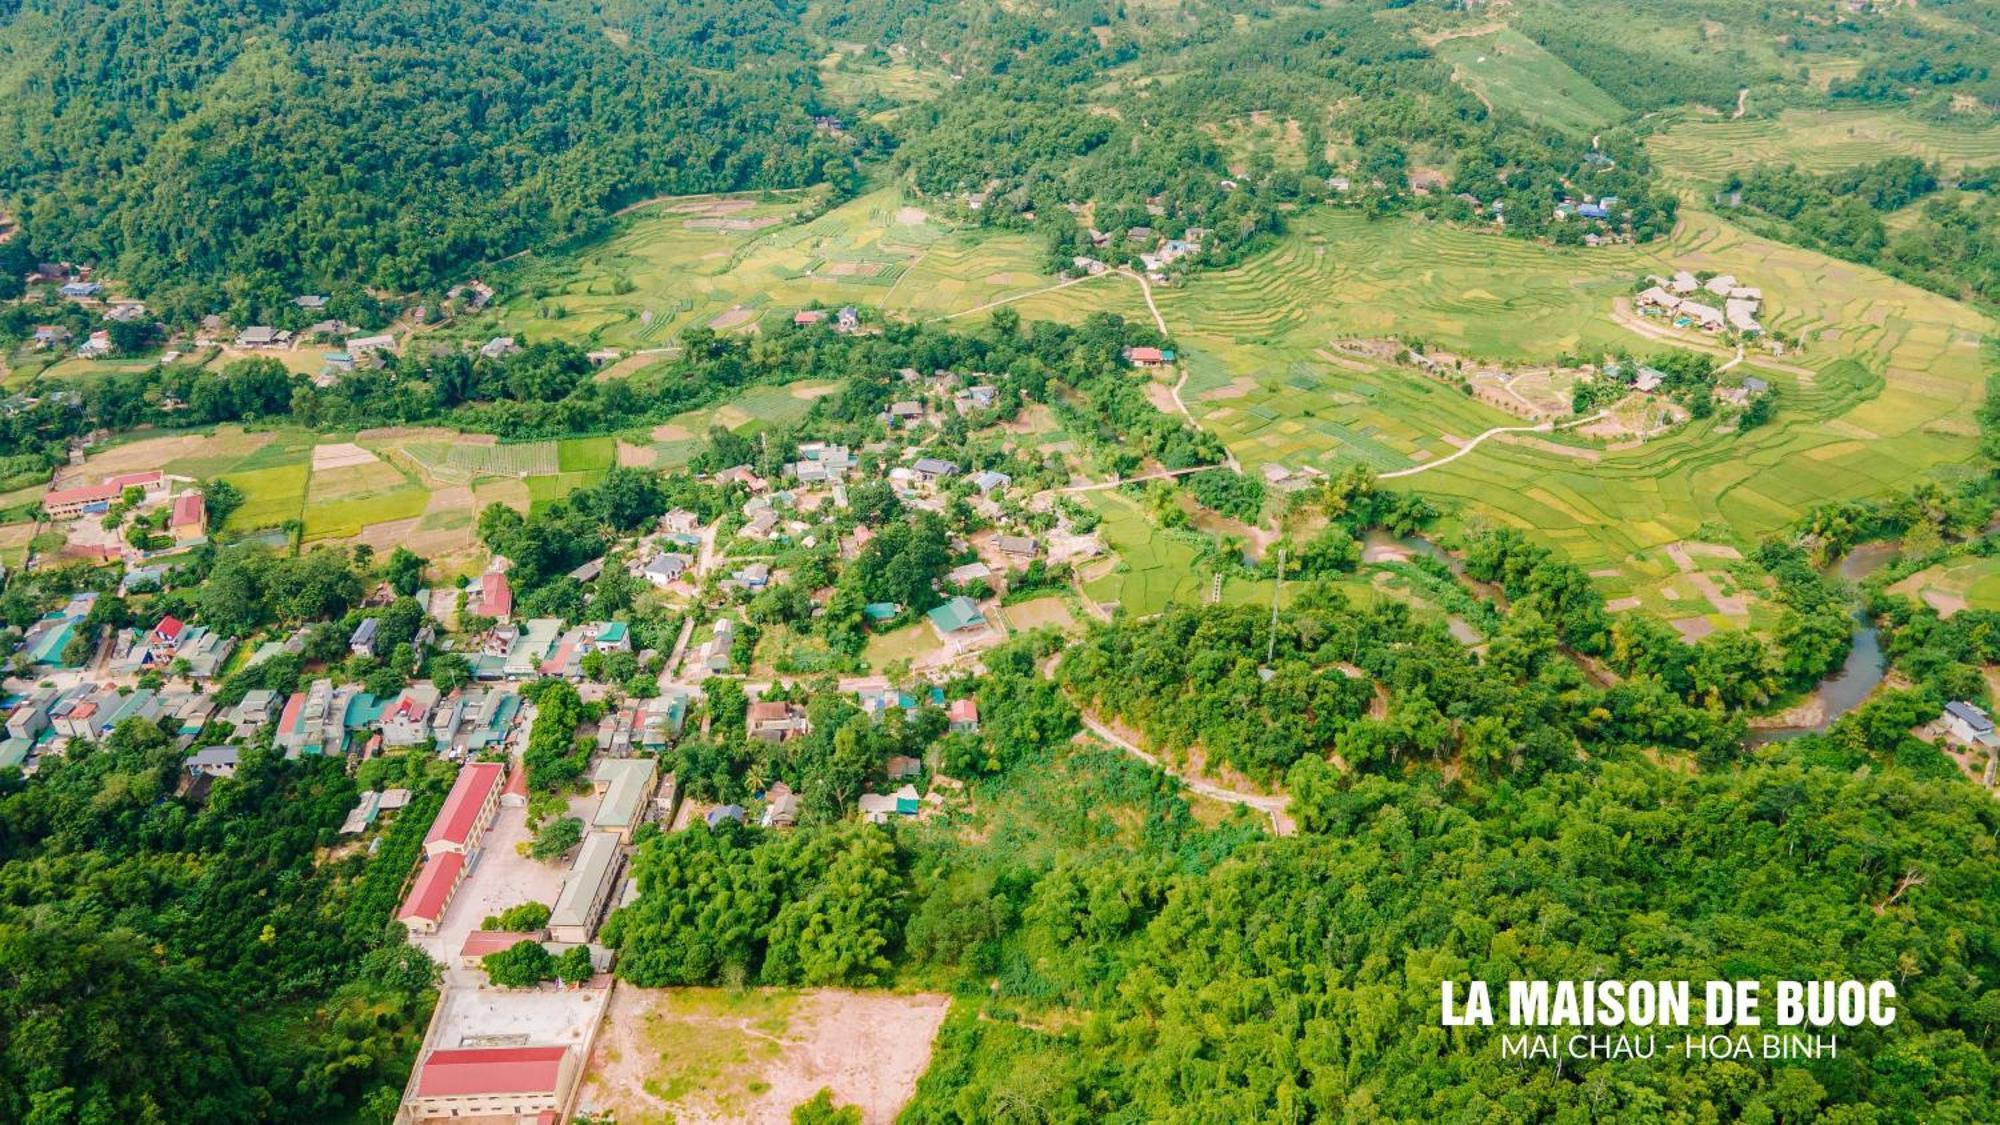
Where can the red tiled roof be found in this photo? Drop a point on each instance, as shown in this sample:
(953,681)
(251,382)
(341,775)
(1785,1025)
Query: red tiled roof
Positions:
(461,807)
(965,711)
(433,888)
(1147,355)
(109,490)
(289,718)
(496,597)
(190,510)
(517,784)
(463,1071)
(169,628)
(479,943)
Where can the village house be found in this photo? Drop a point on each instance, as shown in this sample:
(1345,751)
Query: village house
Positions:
(362,642)
(743,475)
(262,336)
(189,520)
(1148,357)
(781,807)
(491,596)
(774,721)
(960,615)
(930,470)
(905,413)
(214,761)
(407,719)
(1017,546)
(877,808)
(664,570)
(1968,725)
(498,347)
(963,716)
(358,346)
(715,653)
(986,480)
(255,711)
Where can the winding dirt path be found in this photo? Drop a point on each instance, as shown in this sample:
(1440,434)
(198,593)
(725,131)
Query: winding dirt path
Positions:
(1540,428)
(1273,807)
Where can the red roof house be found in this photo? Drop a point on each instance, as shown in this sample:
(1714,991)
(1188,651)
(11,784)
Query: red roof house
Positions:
(479,943)
(167,634)
(494,599)
(190,517)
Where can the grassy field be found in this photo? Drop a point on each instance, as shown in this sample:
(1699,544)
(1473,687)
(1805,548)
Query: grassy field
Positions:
(1969,583)
(738,264)
(674,443)
(1513,74)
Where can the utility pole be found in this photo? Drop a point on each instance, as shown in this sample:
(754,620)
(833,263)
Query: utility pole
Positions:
(1271,645)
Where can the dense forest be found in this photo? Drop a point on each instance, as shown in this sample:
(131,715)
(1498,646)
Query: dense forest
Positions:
(164,958)
(195,147)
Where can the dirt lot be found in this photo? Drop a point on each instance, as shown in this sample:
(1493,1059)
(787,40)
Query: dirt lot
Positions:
(340,455)
(692,1055)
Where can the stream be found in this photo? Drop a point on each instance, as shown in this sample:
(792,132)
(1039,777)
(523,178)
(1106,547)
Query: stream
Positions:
(1855,680)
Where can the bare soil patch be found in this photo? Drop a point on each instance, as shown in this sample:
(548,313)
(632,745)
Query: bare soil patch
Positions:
(637,456)
(733,318)
(340,455)
(1693,628)
(694,1055)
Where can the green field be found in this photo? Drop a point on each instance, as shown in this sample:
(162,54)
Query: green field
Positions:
(1968,583)
(1883,396)
(1513,74)
(270,496)
(734,265)
(1705,149)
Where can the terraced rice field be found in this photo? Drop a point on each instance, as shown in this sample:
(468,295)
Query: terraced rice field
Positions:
(1707,149)
(1513,74)
(1882,396)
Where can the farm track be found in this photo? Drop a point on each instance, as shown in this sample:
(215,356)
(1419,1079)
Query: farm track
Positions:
(1475,443)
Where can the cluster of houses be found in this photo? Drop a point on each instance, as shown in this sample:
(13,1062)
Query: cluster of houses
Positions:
(778,721)
(48,718)
(1686,299)
(846,319)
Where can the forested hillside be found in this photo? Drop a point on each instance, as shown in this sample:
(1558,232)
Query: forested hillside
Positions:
(179,143)
(164,958)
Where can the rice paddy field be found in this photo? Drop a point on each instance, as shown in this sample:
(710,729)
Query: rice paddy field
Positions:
(739,264)
(1513,74)
(1706,149)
